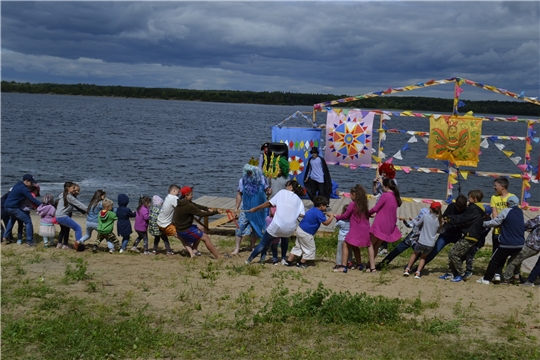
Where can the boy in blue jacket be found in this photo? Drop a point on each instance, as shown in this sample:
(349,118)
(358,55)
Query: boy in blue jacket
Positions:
(124,224)
(511,238)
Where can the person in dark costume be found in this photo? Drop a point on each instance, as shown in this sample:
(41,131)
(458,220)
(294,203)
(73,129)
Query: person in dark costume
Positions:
(317,180)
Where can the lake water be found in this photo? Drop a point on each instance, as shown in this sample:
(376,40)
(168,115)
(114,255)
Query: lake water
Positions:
(140,146)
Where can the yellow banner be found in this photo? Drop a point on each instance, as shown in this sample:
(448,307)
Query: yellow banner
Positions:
(455,138)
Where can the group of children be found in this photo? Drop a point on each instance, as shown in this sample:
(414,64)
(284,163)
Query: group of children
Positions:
(464,223)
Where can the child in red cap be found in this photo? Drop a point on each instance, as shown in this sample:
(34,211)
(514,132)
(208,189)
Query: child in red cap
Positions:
(431,225)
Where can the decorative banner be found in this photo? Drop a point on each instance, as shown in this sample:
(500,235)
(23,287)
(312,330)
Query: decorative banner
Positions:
(299,141)
(349,137)
(455,138)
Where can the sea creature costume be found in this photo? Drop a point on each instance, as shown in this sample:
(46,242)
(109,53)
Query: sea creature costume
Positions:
(252,186)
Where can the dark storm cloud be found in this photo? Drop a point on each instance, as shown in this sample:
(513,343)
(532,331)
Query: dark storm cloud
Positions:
(341,48)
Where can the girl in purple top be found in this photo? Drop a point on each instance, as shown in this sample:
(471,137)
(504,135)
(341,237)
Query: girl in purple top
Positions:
(46,227)
(384,228)
(142,214)
(358,236)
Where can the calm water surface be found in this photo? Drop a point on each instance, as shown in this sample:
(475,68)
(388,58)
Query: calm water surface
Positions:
(139,146)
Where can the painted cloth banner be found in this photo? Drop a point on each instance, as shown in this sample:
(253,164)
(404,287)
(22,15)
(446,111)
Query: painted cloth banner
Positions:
(299,141)
(455,138)
(349,135)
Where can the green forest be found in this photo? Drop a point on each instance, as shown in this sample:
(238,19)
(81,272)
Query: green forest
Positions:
(275,98)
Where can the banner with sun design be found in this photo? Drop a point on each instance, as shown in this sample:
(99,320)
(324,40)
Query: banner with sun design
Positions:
(300,141)
(455,138)
(349,137)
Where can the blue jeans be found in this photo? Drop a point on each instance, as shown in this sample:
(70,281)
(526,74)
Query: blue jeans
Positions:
(439,245)
(90,227)
(535,272)
(125,241)
(263,246)
(401,247)
(70,223)
(25,218)
(284,247)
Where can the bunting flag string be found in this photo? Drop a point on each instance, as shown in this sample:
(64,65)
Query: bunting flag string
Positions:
(420,85)
(295,116)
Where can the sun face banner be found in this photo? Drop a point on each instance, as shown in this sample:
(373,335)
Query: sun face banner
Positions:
(349,137)
(455,138)
(299,141)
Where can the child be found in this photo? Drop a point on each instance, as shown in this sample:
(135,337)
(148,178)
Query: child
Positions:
(94,207)
(386,171)
(343,226)
(26,206)
(358,236)
(431,224)
(511,240)
(141,223)
(288,207)
(66,204)
(535,272)
(274,243)
(531,248)
(157,202)
(106,220)
(46,227)
(498,204)
(471,223)
(305,232)
(409,240)
(165,216)
(384,228)
(124,224)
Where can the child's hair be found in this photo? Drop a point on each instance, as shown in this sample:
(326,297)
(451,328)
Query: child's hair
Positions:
(476,194)
(67,185)
(172,187)
(388,169)
(157,201)
(296,187)
(47,199)
(107,203)
(390,183)
(96,199)
(35,189)
(144,201)
(501,181)
(344,209)
(360,200)
(461,202)
(319,200)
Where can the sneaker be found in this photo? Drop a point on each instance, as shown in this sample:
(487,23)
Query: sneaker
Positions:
(94,249)
(467,276)
(417,275)
(148,253)
(302,265)
(19,242)
(59,246)
(46,245)
(284,262)
(154,252)
(482,281)
(134,249)
(76,245)
(111,251)
(65,247)
(287,263)
(383,252)
(528,284)
(170,253)
(406,272)
(496,279)
(350,265)
(121,251)
(446,277)
(457,278)
(275,262)
(247,262)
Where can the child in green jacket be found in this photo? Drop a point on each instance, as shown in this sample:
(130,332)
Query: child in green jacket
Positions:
(106,220)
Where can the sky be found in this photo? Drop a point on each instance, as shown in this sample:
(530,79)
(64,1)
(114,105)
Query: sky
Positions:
(343,48)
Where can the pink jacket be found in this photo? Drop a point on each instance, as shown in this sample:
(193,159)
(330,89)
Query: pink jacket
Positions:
(47,213)
(385,224)
(141,219)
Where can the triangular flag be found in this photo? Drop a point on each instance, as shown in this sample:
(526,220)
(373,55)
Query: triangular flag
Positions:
(398,155)
(406,169)
(508,152)
(464,174)
(516,159)
(426,140)
(499,146)
(484,143)
(413,139)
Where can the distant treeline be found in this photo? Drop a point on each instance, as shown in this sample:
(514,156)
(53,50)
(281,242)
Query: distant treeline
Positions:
(276,98)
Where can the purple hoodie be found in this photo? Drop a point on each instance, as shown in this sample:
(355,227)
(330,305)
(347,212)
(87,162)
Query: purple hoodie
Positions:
(141,219)
(47,213)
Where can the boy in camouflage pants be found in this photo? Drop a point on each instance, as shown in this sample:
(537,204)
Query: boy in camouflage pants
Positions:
(106,220)
(471,222)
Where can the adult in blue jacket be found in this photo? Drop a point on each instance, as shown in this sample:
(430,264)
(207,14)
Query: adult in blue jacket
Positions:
(19,193)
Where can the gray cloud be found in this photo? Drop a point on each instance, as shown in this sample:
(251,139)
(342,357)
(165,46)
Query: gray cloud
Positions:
(323,47)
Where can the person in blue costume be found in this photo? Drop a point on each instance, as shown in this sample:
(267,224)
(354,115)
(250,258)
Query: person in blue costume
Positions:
(251,193)
(317,180)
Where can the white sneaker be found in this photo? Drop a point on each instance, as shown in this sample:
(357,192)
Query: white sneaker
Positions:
(417,275)
(247,262)
(19,242)
(283,262)
(406,272)
(121,251)
(111,251)
(482,281)
(496,279)
(134,249)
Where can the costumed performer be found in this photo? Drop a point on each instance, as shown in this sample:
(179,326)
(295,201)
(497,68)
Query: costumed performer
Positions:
(317,180)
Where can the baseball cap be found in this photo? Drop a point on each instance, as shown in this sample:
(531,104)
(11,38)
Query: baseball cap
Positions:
(435,205)
(512,201)
(29,177)
(186,190)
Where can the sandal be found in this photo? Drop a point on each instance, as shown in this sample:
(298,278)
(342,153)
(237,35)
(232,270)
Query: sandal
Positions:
(227,256)
(341,269)
(360,267)
(371,270)
(197,253)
